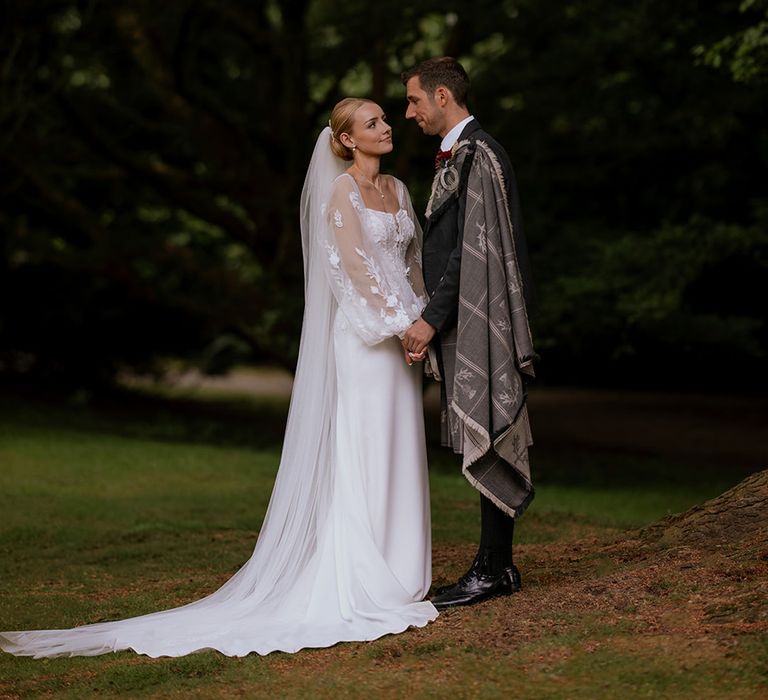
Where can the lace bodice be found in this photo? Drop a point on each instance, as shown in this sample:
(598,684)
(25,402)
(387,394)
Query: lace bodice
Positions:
(393,232)
(374,262)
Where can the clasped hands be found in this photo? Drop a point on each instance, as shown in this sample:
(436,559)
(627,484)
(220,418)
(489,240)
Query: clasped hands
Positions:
(416,340)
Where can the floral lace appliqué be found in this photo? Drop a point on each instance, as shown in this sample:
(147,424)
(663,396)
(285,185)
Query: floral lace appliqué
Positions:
(371,269)
(354,198)
(398,314)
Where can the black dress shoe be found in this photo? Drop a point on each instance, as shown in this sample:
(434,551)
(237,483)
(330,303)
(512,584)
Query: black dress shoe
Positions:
(442,589)
(476,586)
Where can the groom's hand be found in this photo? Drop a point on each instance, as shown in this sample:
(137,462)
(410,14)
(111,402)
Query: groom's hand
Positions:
(417,337)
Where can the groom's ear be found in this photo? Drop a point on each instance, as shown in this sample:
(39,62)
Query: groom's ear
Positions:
(442,95)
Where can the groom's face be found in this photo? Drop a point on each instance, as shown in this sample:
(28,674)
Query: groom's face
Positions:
(423,108)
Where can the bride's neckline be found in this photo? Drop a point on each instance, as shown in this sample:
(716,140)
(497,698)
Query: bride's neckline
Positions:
(367,208)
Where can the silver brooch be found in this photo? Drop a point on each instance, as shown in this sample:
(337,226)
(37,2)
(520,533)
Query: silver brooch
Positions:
(449,178)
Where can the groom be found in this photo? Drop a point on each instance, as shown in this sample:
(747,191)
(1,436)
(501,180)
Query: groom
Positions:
(476,272)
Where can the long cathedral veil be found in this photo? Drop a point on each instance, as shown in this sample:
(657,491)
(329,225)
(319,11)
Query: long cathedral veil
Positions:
(300,498)
(298,506)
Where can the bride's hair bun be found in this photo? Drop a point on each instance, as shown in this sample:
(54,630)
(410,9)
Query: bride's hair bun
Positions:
(342,119)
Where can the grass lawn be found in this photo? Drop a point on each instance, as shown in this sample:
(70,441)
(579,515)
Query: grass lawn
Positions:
(129,505)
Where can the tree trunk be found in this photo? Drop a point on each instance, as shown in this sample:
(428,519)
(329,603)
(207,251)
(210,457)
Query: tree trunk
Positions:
(737,520)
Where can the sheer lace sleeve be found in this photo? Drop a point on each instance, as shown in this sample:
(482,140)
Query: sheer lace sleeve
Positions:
(370,284)
(413,253)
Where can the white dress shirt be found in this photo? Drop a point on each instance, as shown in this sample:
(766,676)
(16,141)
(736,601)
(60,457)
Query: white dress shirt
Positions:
(453,135)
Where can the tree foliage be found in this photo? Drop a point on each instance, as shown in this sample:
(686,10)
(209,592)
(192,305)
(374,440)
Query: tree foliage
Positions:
(744,52)
(152,156)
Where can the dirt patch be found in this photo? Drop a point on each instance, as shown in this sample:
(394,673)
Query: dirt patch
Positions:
(684,588)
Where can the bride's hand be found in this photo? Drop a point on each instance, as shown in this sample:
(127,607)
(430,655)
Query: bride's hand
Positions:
(418,356)
(411,357)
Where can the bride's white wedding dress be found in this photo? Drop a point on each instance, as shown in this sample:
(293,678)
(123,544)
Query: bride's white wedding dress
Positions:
(344,552)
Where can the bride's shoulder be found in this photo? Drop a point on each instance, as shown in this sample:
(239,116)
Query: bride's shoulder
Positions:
(396,183)
(344,179)
(343,184)
(399,189)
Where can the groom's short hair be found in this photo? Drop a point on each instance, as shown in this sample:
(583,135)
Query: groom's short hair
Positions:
(445,71)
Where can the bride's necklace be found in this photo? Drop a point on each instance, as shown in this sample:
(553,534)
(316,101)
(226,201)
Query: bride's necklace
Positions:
(373,184)
(383,199)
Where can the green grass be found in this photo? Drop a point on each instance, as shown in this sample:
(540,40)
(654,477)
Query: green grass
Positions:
(128,505)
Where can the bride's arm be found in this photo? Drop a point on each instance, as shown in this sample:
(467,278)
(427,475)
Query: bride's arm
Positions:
(413,254)
(377,300)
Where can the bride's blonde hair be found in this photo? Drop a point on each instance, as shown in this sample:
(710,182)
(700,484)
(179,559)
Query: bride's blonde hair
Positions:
(342,119)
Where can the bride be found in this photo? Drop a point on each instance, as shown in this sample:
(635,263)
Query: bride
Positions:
(344,553)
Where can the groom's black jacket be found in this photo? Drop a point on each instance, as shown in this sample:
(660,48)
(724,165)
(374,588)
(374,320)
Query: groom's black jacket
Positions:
(443,237)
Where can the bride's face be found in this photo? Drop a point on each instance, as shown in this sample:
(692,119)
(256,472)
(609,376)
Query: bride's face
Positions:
(370,131)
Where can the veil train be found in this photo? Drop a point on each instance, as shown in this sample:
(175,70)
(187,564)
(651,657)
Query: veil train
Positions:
(260,608)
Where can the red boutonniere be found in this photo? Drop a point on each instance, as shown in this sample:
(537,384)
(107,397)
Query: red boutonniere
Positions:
(442,157)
